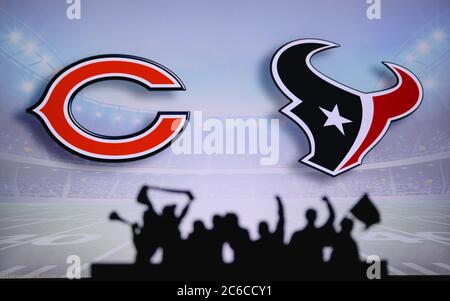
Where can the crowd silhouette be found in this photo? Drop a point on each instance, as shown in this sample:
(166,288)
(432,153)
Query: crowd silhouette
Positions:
(200,255)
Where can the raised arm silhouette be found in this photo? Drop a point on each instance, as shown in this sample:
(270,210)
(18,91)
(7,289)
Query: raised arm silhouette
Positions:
(268,249)
(306,246)
(199,257)
(146,238)
(170,234)
(184,212)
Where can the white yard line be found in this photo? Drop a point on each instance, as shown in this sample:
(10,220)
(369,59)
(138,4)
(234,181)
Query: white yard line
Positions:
(411,234)
(418,219)
(105,255)
(442,265)
(390,268)
(46,221)
(31,214)
(57,233)
(395,271)
(7,211)
(36,273)
(11,270)
(420,268)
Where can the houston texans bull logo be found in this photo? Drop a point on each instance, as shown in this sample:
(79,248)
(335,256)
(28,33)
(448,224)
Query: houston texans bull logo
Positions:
(341,123)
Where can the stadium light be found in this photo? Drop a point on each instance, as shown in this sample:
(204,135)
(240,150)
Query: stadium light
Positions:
(438,35)
(27,87)
(429,83)
(409,58)
(30,48)
(78,108)
(118,118)
(98,114)
(15,37)
(423,47)
(45,60)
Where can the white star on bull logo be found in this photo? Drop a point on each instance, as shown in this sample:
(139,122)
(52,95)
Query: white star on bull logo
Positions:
(334,118)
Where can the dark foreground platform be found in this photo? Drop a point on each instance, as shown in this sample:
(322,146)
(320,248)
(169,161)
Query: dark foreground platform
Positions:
(225,272)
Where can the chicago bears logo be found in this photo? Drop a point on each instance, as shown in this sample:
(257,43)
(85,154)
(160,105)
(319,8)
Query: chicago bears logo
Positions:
(341,123)
(55,111)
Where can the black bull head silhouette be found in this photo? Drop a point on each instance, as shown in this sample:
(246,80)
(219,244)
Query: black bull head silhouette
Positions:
(341,123)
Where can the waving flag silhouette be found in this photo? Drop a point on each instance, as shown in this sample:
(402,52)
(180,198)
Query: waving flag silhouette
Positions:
(366,211)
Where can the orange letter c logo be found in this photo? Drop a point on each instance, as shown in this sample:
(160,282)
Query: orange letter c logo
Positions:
(54,108)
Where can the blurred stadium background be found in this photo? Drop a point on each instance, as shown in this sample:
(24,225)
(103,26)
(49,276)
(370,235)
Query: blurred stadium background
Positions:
(54,204)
